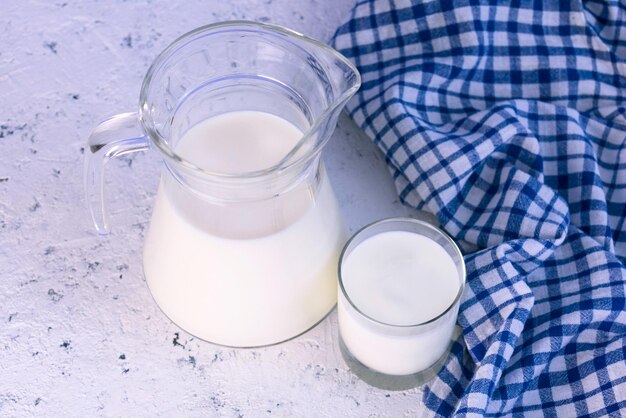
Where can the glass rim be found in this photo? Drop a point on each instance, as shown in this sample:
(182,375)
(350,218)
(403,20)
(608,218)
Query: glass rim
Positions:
(157,139)
(407,220)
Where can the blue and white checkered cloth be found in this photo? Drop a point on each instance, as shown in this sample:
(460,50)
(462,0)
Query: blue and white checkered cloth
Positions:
(509,123)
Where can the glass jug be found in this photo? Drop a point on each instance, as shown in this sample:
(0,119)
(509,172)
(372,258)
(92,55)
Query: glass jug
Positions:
(248,258)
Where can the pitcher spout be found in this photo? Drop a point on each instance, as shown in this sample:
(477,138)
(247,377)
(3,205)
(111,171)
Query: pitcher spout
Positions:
(341,75)
(337,81)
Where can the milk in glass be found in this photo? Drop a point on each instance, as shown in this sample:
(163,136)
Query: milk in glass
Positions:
(400,279)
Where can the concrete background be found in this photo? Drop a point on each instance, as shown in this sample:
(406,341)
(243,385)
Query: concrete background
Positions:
(80,334)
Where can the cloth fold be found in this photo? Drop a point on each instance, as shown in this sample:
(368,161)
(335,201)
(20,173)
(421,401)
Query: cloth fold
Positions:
(508,122)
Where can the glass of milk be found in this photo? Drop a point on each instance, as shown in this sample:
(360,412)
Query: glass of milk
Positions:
(246,232)
(400,286)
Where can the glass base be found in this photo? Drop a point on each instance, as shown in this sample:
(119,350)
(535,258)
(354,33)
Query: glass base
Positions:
(387,381)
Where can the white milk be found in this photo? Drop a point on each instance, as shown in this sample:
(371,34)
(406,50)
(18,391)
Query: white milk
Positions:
(398,278)
(247,274)
(238,142)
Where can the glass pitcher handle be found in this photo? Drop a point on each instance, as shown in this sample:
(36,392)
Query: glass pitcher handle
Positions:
(116,136)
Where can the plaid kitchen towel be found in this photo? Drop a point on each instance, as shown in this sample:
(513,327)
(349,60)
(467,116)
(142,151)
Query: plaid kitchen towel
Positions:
(508,121)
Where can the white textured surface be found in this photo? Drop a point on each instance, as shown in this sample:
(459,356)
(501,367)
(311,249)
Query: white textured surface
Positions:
(80,334)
